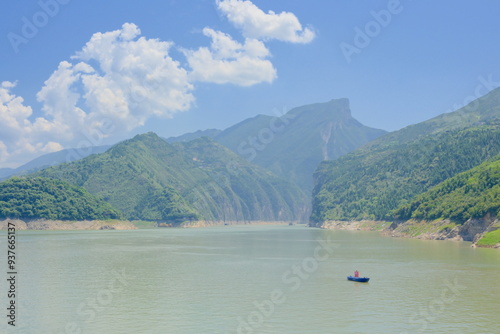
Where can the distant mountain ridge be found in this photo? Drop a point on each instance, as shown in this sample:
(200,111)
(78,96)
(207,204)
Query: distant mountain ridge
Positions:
(292,145)
(52,159)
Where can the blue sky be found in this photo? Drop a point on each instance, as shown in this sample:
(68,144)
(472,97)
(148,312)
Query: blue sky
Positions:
(76,72)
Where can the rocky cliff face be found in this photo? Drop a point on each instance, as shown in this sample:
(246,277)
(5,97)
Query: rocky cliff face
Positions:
(472,230)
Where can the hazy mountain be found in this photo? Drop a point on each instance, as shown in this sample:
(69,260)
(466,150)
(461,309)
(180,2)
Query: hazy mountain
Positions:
(6,172)
(388,172)
(148,178)
(294,144)
(52,159)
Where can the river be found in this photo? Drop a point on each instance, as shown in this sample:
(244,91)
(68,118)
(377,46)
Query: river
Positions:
(249,279)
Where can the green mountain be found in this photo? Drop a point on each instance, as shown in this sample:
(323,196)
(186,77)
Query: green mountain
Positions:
(150,179)
(51,199)
(471,194)
(294,144)
(390,171)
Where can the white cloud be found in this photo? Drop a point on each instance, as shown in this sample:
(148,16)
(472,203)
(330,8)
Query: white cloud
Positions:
(118,79)
(134,78)
(257,24)
(227,61)
(20,138)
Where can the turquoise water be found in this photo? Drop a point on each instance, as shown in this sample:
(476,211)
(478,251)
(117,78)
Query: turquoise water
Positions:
(258,279)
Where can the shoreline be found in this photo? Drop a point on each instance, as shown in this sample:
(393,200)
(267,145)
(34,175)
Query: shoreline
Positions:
(60,225)
(471,231)
(442,229)
(94,225)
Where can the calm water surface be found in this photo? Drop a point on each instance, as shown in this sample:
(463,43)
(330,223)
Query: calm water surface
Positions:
(260,279)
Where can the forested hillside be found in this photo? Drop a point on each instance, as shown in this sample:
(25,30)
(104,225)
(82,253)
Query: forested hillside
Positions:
(150,179)
(51,199)
(370,187)
(471,194)
(389,172)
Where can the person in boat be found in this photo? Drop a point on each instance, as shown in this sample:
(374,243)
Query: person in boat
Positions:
(356,273)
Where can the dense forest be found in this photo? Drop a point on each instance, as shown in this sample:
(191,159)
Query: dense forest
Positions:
(370,186)
(51,199)
(471,194)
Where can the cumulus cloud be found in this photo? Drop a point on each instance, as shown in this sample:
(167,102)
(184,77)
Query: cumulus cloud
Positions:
(132,79)
(255,23)
(227,61)
(20,138)
(118,79)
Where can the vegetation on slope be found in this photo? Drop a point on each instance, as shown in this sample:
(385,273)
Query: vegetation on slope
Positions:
(238,190)
(389,171)
(124,177)
(490,239)
(51,199)
(471,194)
(150,179)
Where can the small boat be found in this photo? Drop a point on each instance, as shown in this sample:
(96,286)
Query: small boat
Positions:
(358,279)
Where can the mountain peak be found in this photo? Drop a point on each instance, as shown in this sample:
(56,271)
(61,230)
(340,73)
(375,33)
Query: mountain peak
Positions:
(343,101)
(147,135)
(149,141)
(294,144)
(335,110)
(147,138)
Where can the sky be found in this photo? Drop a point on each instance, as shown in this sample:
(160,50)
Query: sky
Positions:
(77,73)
